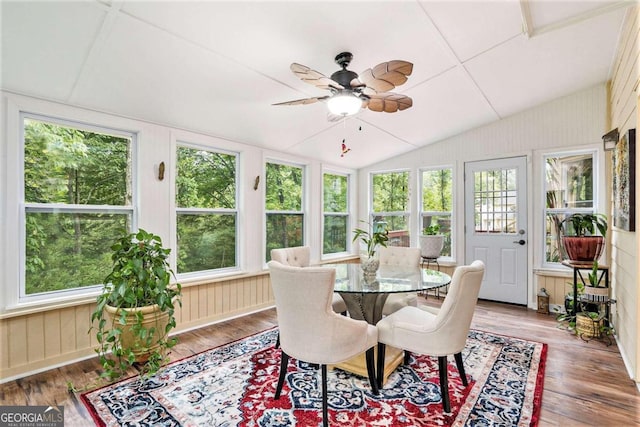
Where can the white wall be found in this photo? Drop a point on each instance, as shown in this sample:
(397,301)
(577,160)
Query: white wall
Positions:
(577,121)
(624,244)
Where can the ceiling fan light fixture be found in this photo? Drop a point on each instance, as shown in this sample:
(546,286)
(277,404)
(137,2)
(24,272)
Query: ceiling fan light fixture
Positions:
(344,104)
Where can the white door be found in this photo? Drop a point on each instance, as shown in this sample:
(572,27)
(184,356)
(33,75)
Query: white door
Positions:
(496,226)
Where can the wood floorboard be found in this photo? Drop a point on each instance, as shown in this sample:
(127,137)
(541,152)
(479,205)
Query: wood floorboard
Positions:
(585,384)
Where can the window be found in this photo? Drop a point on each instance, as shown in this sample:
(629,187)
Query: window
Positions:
(206,210)
(78,195)
(437,204)
(495,201)
(569,187)
(284,204)
(335,213)
(390,192)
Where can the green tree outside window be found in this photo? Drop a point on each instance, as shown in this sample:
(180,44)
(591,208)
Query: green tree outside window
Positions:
(206,213)
(283,203)
(336,214)
(78,195)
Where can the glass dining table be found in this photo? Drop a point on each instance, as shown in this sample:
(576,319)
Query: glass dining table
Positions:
(365,298)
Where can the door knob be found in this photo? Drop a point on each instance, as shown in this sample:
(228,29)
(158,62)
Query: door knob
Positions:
(520,242)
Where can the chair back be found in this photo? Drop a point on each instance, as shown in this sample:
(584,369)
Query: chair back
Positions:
(454,317)
(399,255)
(309,328)
(297,256)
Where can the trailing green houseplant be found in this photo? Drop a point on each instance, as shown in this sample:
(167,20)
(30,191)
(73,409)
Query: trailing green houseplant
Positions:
(140,281)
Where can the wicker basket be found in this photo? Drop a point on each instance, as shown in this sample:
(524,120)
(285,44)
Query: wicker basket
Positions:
(586,327)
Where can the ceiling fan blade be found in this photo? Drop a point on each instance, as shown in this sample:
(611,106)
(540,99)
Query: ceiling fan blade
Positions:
(387,75)
(303,101)
(313,77)
(389,102)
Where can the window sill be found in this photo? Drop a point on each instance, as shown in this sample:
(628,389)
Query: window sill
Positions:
(24,309)
(553,272)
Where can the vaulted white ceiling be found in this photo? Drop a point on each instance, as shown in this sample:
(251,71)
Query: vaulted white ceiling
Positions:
(217,67)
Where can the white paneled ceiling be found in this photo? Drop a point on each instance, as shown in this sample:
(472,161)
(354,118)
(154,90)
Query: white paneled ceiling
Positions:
(217,67)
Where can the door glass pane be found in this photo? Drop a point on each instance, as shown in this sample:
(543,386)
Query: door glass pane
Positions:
(495,206)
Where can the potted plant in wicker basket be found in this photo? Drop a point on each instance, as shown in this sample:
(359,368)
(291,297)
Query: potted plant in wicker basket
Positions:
(135,311)
(590,322)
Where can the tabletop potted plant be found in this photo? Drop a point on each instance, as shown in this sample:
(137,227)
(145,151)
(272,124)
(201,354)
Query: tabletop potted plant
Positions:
(135,311)
(377,237)
(431,242)
(579,239)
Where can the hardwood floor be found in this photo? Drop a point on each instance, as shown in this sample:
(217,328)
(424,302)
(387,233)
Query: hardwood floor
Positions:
(585,382)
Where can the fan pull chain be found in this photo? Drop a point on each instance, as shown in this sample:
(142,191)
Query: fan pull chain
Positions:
(344,149)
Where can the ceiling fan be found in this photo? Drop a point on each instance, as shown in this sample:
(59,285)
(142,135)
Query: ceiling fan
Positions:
(351,92)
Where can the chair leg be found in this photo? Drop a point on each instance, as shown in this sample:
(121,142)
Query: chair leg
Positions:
(371,370)
(380,373)
(278,340)
(444,385)
(407,357)
(284,362)
(460,365)
(325,405)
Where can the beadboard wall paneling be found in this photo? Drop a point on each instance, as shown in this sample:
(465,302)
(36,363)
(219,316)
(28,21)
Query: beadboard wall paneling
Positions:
(41,340)
(556,286)
(573,120)
(624,245)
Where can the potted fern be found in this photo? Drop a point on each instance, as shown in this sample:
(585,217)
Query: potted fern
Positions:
(135,311)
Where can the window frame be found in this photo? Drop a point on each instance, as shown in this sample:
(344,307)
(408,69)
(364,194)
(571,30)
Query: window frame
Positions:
(406,214)
(21,298)
(347,214)
(596,178)
(303,202)
(452,213)
(182,143)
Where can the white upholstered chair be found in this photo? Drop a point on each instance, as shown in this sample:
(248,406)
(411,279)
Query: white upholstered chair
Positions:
(300,256)
(398,256)
(310,330)
(436,332)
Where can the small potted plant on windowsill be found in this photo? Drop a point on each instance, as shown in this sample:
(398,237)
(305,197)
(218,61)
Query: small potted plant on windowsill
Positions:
(368,261)
(579,238)
(431,242)
(135,311)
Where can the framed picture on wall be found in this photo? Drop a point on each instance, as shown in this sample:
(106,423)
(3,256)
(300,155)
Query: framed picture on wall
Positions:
(624,182)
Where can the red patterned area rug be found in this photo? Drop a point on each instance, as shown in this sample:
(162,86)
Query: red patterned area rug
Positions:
(233,385)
